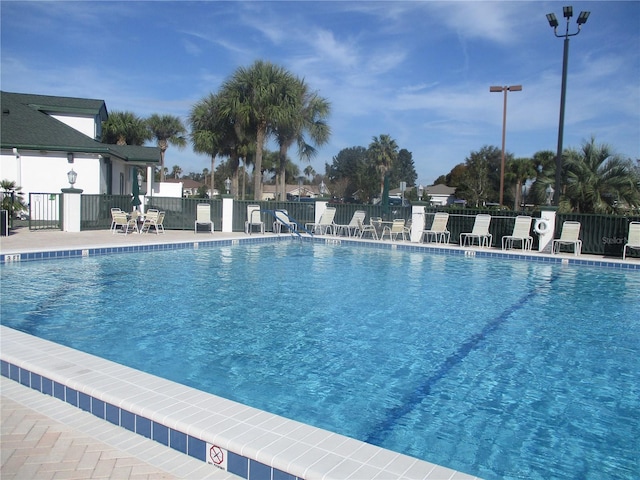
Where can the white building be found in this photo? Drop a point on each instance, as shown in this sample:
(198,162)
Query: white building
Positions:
(44,137)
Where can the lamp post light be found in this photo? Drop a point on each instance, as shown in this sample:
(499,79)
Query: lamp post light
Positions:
(550,194)
(420,192)
(72,177)
(300,179)
(512,88)
(567,12)
(227,185)
(323,188)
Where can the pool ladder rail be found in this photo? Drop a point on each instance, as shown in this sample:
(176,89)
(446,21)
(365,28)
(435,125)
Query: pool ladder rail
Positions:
(292,220)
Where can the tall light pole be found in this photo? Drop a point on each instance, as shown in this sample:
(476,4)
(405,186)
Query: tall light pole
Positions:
(553,22)
(512,88)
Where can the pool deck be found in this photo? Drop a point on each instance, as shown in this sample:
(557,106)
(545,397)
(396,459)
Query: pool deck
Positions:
(45,438)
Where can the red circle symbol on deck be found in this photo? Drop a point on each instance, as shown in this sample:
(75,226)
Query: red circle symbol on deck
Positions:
(216,455)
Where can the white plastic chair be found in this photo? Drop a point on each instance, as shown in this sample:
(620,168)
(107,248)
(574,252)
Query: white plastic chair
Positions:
(633,238)
(521,233)
(396,229)
(438,230)
(203,216)
(479,231)
(352,226)
(253,219)
(283,220)
(569,236)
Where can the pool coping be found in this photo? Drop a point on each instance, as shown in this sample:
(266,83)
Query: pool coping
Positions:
(252,443)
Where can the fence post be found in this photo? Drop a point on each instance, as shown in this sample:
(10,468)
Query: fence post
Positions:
(71,209)
(417,223)
(227,213)
(544,238)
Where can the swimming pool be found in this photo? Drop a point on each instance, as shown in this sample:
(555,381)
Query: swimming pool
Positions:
(482,365)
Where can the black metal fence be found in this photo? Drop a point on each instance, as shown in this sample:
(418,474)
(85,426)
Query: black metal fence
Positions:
(95,210)
(601,234)
(45,211)
(181,212)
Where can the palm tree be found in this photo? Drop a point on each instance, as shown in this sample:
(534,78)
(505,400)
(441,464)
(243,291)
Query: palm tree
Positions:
(176,171)
(518,171)
(12,203)
(309,171)
(166,129)
(598,180)
(204,120)
(124,128)
(308,115)
(384,152)
(256,98)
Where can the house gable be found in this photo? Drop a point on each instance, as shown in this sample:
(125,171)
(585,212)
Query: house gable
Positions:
(45,123)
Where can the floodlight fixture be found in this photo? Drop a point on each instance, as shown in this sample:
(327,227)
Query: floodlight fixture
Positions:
(567,11)
(582,18)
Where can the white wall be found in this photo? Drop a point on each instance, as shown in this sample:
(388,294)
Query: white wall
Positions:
(86,125)
(38,172)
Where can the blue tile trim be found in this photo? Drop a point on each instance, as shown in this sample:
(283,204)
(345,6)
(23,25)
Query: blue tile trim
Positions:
(178,440)
(238,465)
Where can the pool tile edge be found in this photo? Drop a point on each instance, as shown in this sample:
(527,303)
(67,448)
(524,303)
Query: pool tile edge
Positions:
(19,362)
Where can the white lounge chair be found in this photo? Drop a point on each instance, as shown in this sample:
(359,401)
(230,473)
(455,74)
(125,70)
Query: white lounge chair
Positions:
(325,224)
(254,219)
(633,238)
(352,226)
(569,236)
(521,233)
(396,228)
(283,220)
(114,210)
(363,229)
(203,216)
(123,222)
(153,219)
(438,230)
(479,231)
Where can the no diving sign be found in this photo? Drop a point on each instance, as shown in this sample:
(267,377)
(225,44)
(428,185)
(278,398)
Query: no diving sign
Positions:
(217,456)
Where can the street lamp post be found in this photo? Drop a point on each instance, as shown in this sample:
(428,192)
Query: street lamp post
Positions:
(512,88)
(567,12)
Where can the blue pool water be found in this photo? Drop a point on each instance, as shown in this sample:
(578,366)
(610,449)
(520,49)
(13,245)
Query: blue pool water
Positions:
(496,368)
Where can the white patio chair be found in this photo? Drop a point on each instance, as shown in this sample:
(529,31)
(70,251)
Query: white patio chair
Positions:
(569,236)
(352,226)
(633,239)
(363,229)
(282,220)
(521,233)
(396,229)
(438,231)
(479,231)
(203,216)
(325,224)
(254,219)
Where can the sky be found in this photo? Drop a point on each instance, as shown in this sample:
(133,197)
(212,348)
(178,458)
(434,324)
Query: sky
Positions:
(418,71)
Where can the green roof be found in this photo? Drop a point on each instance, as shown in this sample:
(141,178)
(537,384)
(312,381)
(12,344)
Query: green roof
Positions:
(25,125)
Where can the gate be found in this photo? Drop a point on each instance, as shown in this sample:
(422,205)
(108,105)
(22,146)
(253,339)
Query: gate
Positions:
(45,211)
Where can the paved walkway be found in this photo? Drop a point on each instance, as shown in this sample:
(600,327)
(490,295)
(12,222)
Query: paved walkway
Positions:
(44,438)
